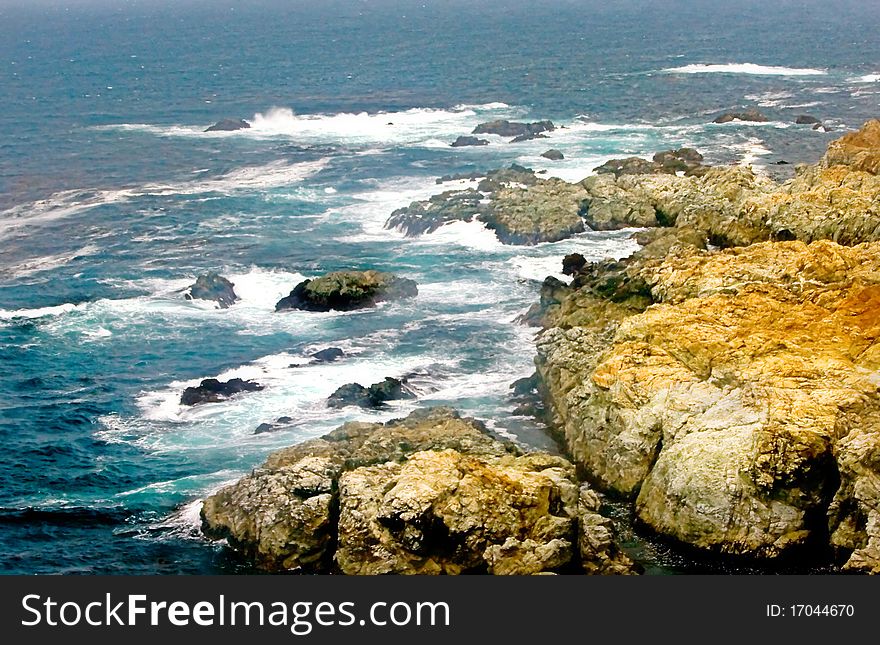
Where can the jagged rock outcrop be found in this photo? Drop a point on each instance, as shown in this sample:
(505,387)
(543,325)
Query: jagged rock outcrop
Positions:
(213,286)
(431,493)
(347,290)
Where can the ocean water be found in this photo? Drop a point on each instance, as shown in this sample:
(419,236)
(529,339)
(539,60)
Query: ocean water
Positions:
(112,200)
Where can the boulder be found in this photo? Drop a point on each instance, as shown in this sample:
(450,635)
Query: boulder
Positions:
(683,160)
(553,155)
(505,128)
(211,390)
(750,114)
(806,119)
(213,286)
(463,141)
(347,290)
(391,389)
(229,125)
(431,493)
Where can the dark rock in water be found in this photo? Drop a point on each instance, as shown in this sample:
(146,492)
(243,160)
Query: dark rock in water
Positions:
(529,409)
(528,136)
(627,166)
(279,424)
(748,115)
(806,119)
(469,141)
(524,386)
(505,128)
(213,391)
(822,128)
(229,125)
(573,263)
(328,355)
(263,428)
(347,290)
(427,216)
(553,291)
(350,394)
(782,162)
(391,389)
(213,286)
(553,155)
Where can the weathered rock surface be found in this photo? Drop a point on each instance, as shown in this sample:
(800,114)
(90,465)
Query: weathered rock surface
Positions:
(213,286)
(211,390)
(347,290)
(732,393)
(228,125)
(431,493)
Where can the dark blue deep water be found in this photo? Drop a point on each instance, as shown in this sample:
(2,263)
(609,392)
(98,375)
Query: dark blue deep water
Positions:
(112,200)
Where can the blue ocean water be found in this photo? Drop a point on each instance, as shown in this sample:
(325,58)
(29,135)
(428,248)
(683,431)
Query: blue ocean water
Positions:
(112,199)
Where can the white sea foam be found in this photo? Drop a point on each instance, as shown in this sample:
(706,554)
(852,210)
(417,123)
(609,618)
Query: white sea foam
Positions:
(32,266)
(867,78)
(363,128)
(70,202)
(745,68)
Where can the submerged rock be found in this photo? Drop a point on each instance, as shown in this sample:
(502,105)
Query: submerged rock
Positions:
(229,125)
(347,290)
(213,286)
(747,115)
(469,141)
(211,390)
(391,389)
(431,493)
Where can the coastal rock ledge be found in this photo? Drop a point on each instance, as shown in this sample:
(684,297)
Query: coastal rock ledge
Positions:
(433,493)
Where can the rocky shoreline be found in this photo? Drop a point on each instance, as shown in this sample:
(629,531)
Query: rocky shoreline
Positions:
(724,380)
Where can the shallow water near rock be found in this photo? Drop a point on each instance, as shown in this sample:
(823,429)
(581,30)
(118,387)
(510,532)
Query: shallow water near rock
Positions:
(113,200)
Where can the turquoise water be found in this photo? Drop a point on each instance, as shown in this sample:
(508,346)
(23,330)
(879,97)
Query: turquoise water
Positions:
(112,200)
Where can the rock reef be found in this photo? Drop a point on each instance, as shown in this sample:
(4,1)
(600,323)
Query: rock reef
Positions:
(434,493)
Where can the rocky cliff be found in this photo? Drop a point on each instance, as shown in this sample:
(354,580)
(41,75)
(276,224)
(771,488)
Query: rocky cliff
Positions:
(726,377)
